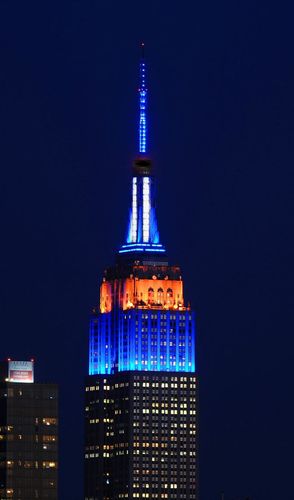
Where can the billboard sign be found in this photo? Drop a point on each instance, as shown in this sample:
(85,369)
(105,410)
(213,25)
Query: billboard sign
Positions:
(21,371)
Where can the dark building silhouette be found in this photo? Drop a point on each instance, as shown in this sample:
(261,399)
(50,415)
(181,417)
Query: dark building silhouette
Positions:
(28,434)
(141,408)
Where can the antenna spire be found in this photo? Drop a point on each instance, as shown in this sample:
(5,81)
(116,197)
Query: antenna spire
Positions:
(142,104)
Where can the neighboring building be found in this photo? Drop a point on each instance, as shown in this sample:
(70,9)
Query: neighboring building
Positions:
(28,434)
(141,414)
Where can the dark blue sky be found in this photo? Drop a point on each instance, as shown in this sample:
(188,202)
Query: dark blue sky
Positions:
(221,80)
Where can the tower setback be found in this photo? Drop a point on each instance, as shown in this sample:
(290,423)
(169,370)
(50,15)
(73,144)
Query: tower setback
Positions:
(141,410)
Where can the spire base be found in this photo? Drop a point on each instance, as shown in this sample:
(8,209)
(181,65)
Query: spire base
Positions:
(142,167)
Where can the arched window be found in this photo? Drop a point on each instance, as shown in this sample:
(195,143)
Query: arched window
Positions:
(160,296)
(169,297)
(150,295)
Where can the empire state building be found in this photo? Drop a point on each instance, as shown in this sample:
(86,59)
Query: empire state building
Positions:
(141,409)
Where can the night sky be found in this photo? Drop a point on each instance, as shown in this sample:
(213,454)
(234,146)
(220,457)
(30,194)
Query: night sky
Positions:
(221,87)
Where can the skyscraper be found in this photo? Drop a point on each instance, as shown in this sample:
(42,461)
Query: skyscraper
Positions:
(28,434)
(141,406)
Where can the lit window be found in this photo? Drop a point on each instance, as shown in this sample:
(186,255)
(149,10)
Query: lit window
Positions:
(49,465)
(49,421)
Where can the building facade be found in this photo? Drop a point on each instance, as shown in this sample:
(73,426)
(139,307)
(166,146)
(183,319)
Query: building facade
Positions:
(28,434)
(141,410)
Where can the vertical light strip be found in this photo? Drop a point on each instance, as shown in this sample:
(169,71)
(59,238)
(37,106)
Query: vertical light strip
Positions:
(134,222)
(146,209)
(149,364)
(193,349)
(91,349)
(143,104)
(187,347)
(139,332)
(169,350)
(159,349)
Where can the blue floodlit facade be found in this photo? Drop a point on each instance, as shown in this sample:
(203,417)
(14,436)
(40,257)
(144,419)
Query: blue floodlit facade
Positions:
(153,340)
